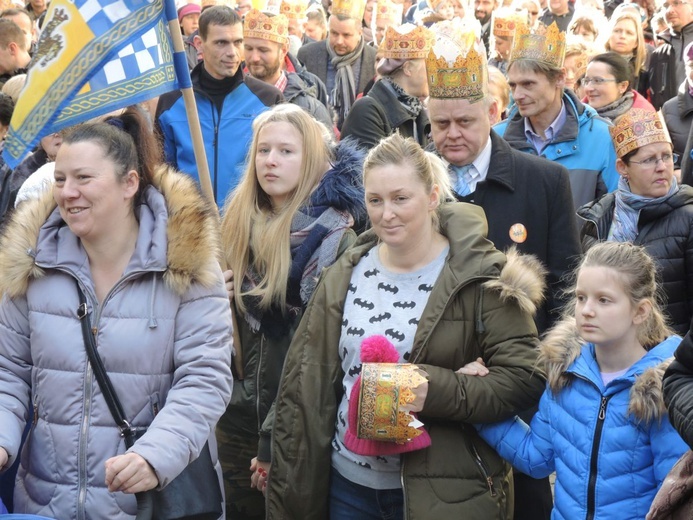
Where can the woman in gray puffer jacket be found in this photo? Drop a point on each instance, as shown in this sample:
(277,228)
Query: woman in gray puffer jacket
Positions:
(142,245)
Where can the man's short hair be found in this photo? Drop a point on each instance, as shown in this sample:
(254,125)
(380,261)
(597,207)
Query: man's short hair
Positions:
(14,11)
(217,15)
(6,109)
(10,32)
(552,73)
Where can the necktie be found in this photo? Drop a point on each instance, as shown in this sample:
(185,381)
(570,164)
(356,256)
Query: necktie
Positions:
(464,179)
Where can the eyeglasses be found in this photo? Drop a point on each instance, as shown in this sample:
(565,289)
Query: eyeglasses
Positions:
(651,162)
(675,3)
(597,81)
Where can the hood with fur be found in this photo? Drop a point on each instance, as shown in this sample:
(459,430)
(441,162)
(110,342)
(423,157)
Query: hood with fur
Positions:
(561,348)
(192,232)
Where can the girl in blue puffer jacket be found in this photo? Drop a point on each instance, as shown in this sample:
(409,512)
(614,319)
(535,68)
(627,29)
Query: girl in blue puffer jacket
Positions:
(602,424)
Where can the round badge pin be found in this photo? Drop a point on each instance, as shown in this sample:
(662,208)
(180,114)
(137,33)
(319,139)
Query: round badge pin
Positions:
(518,233)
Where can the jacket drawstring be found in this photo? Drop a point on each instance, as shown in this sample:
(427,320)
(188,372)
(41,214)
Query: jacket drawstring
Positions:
(152,320)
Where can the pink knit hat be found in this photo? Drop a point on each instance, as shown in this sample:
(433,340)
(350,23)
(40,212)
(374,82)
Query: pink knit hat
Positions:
(188,9)
(377,349)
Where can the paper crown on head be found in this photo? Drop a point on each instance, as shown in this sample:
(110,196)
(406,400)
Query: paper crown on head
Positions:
(406,42)
(349,8)
(293,9)
(456,65)
(545,44)
(505,20)
(388,11)
(636,128)
(259,25)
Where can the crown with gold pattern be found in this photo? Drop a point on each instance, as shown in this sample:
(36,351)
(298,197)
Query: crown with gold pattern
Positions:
(637,128)
(259,25)
(349,8)
(456,65)
(545,45)
(505,20)
(407,42)
(293,10)
(388,12)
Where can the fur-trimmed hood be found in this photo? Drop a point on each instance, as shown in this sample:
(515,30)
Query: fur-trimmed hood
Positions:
(562,347)
(522,280)
(192,236)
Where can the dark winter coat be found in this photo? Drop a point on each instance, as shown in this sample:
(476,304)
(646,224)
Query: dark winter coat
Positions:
(666,65)
(481,305)
(666,232)
(678,116)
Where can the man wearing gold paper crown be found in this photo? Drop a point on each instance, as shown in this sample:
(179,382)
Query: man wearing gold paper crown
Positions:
(394,104)
(387,14)
(503,24)
(550,121)
(295,12)
(266,46)
(227,104)
(527,200)
(343,62)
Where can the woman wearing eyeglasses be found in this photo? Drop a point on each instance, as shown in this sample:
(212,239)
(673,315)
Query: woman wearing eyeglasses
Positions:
(607,86)
(649,208)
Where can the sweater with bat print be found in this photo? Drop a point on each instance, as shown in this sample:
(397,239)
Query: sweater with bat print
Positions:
(390,304)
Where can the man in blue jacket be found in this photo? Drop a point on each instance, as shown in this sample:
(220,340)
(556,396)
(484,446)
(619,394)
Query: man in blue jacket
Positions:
(550,121)
(227,104)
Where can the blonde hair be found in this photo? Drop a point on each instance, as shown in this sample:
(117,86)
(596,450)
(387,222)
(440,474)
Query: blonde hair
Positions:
(13,86)
(637,272)
(428,168)
(640,51)
(252,231)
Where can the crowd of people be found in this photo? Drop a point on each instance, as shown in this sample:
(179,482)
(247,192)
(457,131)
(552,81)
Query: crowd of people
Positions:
(482,210)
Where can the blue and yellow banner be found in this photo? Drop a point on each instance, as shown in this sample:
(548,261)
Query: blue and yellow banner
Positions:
(93,57)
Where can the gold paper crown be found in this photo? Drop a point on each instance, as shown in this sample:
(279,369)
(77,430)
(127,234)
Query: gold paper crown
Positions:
(293,10)
(349,8)
(456,65)
(637,128)
(505,20)
(273,28)
(388,11)
(546,45)
(407,42)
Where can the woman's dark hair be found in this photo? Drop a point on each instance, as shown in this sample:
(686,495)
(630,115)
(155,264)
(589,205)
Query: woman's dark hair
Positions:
(127,140)
(6,109)
(618,66)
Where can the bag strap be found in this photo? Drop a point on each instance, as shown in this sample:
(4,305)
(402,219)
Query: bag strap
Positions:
(100,373)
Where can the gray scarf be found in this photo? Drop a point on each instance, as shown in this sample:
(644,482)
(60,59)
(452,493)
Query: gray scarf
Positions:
(618,107)
(344,92)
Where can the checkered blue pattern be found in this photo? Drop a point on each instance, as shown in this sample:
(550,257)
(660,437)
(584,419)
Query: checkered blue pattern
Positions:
(133,60)
(101,15)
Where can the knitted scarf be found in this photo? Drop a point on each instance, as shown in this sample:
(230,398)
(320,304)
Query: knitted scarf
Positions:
(624,227)
(344,92)
(316,233)
(618,107)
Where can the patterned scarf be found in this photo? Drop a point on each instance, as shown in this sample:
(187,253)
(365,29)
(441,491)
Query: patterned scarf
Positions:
(624,227)
(344,92)
(618,107)
(316,233)
(411,104)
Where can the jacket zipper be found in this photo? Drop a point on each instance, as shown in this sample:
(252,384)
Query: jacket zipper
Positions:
(257,381)
(591,487)
(479,462)
(404,490)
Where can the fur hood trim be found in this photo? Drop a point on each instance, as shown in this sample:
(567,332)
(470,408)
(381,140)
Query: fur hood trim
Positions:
(522,280)
(342,187)
(193,238)
(562,346)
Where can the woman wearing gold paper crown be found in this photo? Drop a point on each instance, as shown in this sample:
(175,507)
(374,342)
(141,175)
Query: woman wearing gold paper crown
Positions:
(395,103)
(649,208)
(427,279)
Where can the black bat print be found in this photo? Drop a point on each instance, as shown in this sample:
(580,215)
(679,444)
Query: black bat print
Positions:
(373,272)
(380,317)
(345,322)
(388,288)
(364,465)
(341,419)
(354,371)
(344,353)
(395,334)
(425,287)
(352,288)
(406,356)
(413,321)
(404,305)
(381,459)
(364,304)
(355,331)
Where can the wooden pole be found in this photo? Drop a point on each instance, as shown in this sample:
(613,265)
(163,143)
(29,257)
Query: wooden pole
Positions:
(204,176)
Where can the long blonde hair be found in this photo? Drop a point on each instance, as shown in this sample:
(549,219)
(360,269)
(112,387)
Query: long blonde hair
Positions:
(252,231)
(640,51)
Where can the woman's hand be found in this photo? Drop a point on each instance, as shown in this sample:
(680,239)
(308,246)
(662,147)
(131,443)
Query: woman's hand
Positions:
(475,368)
(4,457)
(228,278)
(130,473)
(259,477)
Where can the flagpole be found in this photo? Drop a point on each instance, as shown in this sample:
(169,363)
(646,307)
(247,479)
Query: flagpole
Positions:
(203,174)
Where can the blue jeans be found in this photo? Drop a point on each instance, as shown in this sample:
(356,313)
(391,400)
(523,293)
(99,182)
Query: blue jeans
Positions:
(351,501)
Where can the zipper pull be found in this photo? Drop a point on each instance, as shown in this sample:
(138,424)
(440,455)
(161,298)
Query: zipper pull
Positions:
(602,409)
(489,482)
(94,331)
